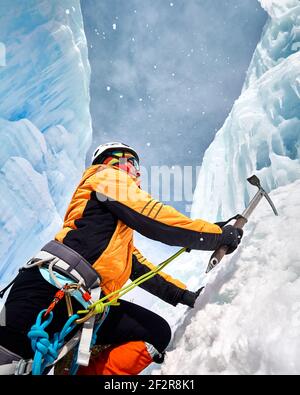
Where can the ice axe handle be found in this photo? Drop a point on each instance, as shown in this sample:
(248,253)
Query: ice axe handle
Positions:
(219,254)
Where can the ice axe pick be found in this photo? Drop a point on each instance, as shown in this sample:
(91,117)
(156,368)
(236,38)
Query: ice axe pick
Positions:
(217,256)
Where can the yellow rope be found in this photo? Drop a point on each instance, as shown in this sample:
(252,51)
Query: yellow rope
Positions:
(99,306)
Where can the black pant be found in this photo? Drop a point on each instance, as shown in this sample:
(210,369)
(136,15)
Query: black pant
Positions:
(31,293)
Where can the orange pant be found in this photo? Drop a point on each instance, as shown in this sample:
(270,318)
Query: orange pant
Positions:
(127,359)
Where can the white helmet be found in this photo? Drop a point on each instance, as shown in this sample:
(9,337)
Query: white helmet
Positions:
(113,146)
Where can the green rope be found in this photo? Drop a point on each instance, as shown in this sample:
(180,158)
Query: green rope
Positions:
(101,304)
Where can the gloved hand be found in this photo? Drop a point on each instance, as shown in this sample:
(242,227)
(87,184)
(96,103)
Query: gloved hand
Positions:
(189,297)
(231,237)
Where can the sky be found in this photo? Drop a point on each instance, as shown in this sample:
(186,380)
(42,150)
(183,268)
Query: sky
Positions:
(165,74)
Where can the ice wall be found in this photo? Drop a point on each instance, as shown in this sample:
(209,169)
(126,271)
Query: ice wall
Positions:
(248,320)
(45,124)
(262,133)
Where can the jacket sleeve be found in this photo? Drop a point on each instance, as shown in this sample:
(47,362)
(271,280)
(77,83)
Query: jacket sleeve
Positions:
(148,216)
(161,285)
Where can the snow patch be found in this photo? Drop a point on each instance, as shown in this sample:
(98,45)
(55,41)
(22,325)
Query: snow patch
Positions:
(248,320)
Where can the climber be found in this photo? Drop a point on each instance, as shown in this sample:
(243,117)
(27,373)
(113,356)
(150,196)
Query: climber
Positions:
(97,234)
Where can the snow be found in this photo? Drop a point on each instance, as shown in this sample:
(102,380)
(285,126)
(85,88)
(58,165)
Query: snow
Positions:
(276,8)
(279,40)
(248,320)
(45,122)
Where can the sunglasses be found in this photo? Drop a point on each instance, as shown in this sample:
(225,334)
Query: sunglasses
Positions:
(126,157)
(134,162)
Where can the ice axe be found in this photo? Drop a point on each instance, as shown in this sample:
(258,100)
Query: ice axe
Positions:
(241,220)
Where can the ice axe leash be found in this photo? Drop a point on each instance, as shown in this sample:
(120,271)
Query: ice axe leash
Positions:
(241,220)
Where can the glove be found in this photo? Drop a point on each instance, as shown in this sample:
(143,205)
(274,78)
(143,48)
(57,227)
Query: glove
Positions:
(231,237)
(189,297)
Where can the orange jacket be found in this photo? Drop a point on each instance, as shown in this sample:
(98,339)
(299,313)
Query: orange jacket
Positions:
(105,209)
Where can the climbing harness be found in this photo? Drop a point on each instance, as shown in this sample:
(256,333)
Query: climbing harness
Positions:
(73,276)
(99,306)
(74,365)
